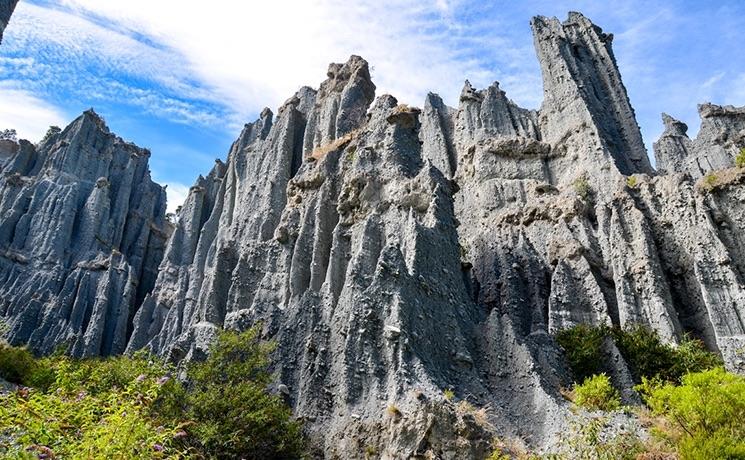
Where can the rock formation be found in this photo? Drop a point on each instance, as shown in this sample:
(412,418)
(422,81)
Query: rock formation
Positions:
(719,141)
(82,233)
(394,253)
(6,10)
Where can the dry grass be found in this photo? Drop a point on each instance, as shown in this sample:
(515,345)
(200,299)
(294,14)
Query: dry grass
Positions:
(719,179)
(393,411)
(321,151)
(480,415)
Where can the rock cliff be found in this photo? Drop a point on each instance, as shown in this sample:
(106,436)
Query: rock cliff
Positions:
(392,252)
(6,10)
(82,233)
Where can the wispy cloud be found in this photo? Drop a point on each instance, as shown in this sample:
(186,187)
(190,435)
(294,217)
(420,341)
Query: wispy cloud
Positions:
(27,114)
(214,65)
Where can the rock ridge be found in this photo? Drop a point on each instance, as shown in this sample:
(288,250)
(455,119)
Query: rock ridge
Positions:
(394,253)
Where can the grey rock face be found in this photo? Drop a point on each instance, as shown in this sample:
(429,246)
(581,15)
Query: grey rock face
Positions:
(394,253)
(6,10)
(719,141)
(83,230)
(586,110)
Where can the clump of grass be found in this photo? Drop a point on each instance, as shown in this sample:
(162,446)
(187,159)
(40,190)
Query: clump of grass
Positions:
(336,144)
(710,181)
(632,181)
(448,394)
(740,158)
(582,188)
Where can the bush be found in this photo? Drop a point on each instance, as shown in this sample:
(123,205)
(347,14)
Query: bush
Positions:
(80,418)
(632,181)
(640,346)
(582,187)
(740,158)
(597,393)
(582,346)
(133,407)
(707,412)
(234,416)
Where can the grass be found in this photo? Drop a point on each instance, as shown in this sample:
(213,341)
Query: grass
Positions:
(740,158)
(582,188)
(336,144)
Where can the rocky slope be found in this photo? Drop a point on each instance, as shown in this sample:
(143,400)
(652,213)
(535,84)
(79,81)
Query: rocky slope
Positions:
(394,253)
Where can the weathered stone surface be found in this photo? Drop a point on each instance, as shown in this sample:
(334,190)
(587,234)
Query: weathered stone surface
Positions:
(6,10)
(585,112)
(83,230)
(394,253)
(719,141)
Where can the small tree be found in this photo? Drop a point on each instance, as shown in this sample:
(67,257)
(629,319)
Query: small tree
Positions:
(8,135)
(234,415)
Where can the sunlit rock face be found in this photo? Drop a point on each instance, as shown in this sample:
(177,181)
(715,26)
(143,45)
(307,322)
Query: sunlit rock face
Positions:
(83,231)
(394,252)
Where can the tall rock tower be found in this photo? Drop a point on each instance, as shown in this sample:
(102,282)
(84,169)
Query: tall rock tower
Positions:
(586,111)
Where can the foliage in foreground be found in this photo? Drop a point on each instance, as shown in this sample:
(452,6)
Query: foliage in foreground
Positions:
(133,407)
(597,393)
(706,413)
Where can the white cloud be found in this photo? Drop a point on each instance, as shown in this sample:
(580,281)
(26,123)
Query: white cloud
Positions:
(27,114)
(249,55)
(176,194)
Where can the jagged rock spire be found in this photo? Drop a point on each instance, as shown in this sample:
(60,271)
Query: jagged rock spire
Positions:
(719,141)
(82,233)
(585,103)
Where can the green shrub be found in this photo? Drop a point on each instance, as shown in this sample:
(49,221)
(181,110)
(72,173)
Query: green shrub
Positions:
(640,346)
(582,187)
(632,181)
(132,407)
(707,412)
(16,364)
(233,415)
(740,158)
(79,418)
(448,394)
(597,393)
(582,346)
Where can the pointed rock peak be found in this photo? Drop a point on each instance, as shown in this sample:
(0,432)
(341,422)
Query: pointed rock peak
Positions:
(469,93)
(354,71)
(673,127)
(90,116)
(383,104)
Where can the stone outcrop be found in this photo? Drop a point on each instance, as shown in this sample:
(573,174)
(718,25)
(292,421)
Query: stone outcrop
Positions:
(6,10)
(394,253)
(719,141)
(82,233)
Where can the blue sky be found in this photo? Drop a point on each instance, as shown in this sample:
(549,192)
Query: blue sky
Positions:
(181,79)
